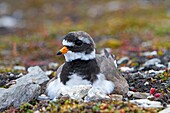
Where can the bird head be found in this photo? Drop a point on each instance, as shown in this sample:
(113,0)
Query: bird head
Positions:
(77,45)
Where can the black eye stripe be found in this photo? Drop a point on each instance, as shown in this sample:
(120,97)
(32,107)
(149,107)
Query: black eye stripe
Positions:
(78,42)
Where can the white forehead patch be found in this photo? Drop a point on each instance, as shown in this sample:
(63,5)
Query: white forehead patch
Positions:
(67,43)
(86,40)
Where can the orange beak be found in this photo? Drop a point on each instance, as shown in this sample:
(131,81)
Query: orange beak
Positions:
(62,51)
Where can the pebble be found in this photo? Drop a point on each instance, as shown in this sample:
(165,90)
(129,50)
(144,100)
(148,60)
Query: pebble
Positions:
(8,22)
(166,110)
(37,111)
(9,74)
(146,83)
(147,103)
(43,97)
(16,68)
(138,95)
(12,82)
(116,97)
(155,72)
(159,65)
(53,65)
(48,72)
(151,97)
(169,65)
(126,69)
(20,75)
(123,60)
(146,44)
(153,53)
(152,62)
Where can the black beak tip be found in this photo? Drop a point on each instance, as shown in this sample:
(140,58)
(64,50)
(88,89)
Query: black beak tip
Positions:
(58,53)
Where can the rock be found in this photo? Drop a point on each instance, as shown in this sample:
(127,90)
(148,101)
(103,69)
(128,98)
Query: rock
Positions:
(8,22)
(146,44)
(160,66)
(151,97)
(37,111)
(10,75)
(166,110)
(20,75)
(108,68)
(12,82)
(153,53)
(156,72)
(96,95)
(4,8)
(53,65)
(16,68)
(169,65)
(123,60)
(126,69)
(26,88)
(76,92)
(48,73)
(152,62)
(146,103)
(116,97)
(43,97)
(138,95)
(2,90)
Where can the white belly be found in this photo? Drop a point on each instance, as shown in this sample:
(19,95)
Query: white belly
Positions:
(77,80)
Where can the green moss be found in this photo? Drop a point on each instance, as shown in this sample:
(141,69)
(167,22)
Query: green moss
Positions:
(111,43)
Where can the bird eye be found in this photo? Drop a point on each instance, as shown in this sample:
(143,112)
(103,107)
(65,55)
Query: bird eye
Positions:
(78,42)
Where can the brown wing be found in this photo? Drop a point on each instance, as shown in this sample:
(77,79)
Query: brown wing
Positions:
(108,68)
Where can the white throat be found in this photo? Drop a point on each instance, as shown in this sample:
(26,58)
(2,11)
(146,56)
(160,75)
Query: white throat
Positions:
(70,56)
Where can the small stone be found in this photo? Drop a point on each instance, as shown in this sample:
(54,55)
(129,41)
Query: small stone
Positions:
(76,92)
(48,72)
(155,72)
(146,44)
(146,103)
(53,65)
(153,53)
(159,65)
(8,22)
(123,60)
(152,62)
(138,95)
(166,110)
(151,97)
(116,97)
(16,68)
(43,97)
(12,82)
(9,74)
(37,111)
(146,83)
(20,75)
(126,69)
(169,65)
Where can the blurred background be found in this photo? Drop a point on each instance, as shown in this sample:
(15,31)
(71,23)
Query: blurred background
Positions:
(31,30)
